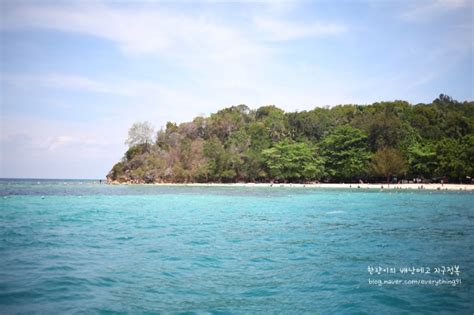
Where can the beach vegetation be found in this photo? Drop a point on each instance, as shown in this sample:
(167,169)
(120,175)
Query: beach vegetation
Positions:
(346,153)
(345,143)
(388,162)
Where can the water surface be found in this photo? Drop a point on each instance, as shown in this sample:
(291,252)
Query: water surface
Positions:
(85,247)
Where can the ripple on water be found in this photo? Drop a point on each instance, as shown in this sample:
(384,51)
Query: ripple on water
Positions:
(137,249)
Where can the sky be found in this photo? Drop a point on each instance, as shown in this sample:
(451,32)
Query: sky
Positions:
(75,75)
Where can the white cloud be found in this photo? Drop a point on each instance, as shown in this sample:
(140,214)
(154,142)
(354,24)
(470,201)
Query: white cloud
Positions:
(214,52)
(59,142)
(425,10)
(154,30)
(96,20)
(44,148)
(201,44)
(136,31)
(64,81)
(284,30)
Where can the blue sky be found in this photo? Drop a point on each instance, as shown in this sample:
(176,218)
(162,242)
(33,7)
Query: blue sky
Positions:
(76,75)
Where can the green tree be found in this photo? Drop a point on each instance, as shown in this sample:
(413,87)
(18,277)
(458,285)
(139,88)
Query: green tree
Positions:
(215,152)
(388,162)
(385,128)
(117,171)
(236,147)
(467,143)
(171,127)
(426,119)
(310,125)
(136,150)
(293,161)
(450,159)
(274,120)
(240,144)
(228,120)
(422,160)
(345,152)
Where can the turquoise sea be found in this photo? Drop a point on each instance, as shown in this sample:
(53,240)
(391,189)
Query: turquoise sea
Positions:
(84,247)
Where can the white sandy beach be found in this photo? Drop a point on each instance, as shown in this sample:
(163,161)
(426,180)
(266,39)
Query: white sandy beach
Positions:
(380,186)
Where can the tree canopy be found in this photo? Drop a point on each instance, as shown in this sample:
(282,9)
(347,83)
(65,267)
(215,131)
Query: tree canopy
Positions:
(388,162)
(140,133)
(293,162)
(346,153)
(344,143)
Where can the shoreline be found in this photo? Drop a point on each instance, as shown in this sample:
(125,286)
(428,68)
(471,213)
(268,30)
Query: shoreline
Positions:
(355,186)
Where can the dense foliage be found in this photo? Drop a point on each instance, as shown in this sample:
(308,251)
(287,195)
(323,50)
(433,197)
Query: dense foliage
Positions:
(345,143)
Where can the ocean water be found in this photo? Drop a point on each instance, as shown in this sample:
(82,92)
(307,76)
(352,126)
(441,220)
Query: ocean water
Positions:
(84,247)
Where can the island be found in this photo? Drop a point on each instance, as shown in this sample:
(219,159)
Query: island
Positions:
(386,142)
